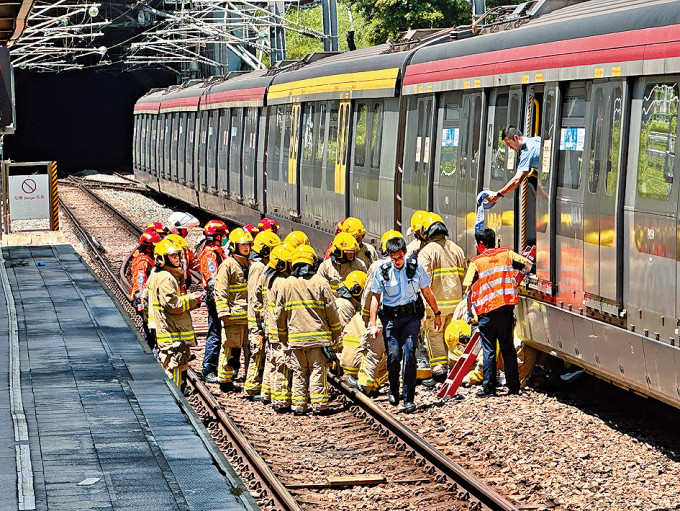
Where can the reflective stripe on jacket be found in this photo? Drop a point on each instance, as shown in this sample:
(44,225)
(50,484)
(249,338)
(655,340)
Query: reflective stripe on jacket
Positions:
(231,292)
(335,273)
(171,309)
(272,286)
(444,262)
(257,300)
(209,260)
(496,284)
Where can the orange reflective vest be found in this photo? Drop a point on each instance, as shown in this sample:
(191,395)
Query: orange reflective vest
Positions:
(210,259)
(496,284)
(142,264)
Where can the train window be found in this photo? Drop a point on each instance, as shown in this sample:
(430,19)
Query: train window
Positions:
(376,135)
(572,136)
(476,134)
(308,133)
(657,140)
(548,135)
(235,141)
(500,152)
(450,138)
(464,135)
(320,134)
(419,139)
(595,137)
(310,167)
(616,112)
(360,138)
(274,152)
(514,120)
(285,149)
(331,148)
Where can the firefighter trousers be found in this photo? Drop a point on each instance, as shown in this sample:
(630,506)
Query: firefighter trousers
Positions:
(253,384)
(174,357)
(373,363)
(233,339)
(280,378)
(437,351)
(310,383)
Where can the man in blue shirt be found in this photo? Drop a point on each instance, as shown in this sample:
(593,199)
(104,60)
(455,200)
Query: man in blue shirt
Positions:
(398,281)
(529,150)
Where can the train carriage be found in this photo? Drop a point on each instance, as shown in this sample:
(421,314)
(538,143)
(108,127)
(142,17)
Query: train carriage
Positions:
(379,135)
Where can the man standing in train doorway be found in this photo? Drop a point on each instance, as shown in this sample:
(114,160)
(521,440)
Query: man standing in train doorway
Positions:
(529,149)
(397,283)
(492,292)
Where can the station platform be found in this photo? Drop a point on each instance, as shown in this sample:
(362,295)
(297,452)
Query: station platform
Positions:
(88,420)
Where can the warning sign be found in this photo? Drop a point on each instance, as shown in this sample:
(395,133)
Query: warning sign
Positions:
(29,197)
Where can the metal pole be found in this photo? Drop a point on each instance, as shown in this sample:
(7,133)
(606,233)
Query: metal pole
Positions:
(277,34)
(330,24)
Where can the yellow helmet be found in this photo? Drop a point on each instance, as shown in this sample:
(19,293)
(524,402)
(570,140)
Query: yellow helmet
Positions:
(303,254)
(264,242)
(417,222)
(240,236)
(345,242)
(280,257)
(429,227)
(389,235)
(353,226)
(178,241)
(355,282)
(456,330)
(296,238)
(166,247)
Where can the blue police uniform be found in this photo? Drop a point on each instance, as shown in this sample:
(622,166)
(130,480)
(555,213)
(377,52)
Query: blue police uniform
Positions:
(529,154)
(401,323)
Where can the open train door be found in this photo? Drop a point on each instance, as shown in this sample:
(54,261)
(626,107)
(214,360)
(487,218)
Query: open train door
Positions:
(293,188)
(342,150)
(602,223)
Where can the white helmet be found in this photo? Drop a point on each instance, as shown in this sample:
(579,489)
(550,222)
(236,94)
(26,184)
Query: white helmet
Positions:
(182,222)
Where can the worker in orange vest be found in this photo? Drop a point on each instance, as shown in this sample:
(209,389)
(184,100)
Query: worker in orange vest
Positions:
(493,294)
(142,264)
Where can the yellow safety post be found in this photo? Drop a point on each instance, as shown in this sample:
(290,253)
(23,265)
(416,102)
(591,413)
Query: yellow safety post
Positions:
(54,197)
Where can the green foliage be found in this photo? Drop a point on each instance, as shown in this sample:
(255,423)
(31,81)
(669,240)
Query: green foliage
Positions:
(298,45)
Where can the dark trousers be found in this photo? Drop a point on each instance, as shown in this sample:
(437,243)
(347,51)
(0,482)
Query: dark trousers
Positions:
(497,325)
(213,340)
(401,338)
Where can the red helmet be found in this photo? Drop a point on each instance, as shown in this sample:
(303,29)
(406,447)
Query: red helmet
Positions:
(158,228)
(267,224)
(149,238)
(215,228)
(250,228)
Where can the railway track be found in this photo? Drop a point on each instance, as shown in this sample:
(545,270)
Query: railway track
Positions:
(358,457)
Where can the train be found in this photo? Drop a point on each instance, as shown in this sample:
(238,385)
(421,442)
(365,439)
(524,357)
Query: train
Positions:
(381,132)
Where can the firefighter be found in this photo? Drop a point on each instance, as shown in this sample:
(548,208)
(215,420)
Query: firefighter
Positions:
(210,259)
(329,248)
(174,331)
(366,295)
(343,261)
(158,228)
(264,242)
(251,229)
(308,325)
(231,298)
(349,296)
(267,224)
(142,264)
(416,229)
(276,377)
(444,263)
(181,224)
(367,253)
(295,239)
(493,294)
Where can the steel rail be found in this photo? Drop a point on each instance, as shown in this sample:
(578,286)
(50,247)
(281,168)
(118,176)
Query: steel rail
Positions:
(477,489)
(136,229)
(278,492)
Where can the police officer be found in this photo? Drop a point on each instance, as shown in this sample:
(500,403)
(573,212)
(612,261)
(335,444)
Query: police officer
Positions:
(493,293)
(264,242)
(342,262)
(529,149)
(209,261)
(398,284)
(231,297)
(444,263)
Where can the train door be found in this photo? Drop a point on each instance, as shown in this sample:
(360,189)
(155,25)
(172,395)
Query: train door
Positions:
(470,163)
(210,184)
(160,154)
(293,195)
(342,148)
(174,145)
(235,142)
(526,196)
(223,152)
(201,167)
(183,143)
(600,212)
(333,200)
(416,178)
(250,156)
(311,172)
(446,179)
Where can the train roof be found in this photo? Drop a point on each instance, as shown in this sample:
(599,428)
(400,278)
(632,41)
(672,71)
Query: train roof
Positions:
(595,32)
(247,89)
(150,102)
(368,72)
(184,98)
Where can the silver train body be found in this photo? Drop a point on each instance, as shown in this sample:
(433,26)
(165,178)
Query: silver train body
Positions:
(378,135)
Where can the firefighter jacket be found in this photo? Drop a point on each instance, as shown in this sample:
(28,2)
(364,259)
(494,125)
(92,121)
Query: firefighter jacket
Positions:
(256,297)
(209,261)
(147,291)
(142,264)
(306,314)
(271,288)
(415,246)
(367,253)
(496,284)
(346,309)
(231,291)
(335,273)
(367,294)
(350,359)
(171,308)
(444,262)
